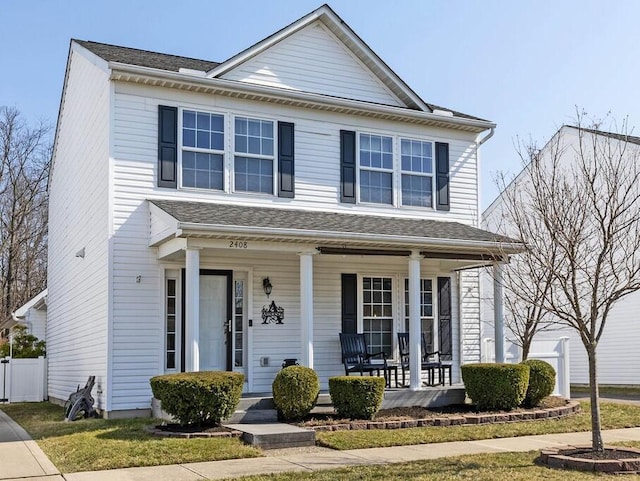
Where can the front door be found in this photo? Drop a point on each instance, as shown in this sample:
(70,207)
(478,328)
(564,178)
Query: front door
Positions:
(215,320)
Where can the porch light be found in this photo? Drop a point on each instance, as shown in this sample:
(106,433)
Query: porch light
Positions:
(266,285)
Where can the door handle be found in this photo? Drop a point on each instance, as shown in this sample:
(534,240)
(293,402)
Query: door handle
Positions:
(227,326)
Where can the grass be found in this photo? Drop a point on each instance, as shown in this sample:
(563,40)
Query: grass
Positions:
(613,416)
(96,444)
(478,467)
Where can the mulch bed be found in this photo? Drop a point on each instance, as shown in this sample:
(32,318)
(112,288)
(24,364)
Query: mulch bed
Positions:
(550,408)
(178,431)
(613,460)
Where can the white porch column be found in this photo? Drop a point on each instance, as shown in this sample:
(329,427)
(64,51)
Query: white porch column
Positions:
(498,312)
(306,308)
(192,310)
(415,329)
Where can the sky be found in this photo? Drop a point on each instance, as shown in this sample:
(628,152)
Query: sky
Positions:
(526,65)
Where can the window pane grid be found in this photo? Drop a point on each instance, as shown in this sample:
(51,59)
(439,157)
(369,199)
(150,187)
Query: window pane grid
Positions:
(170,324)
(238,354)
(202,150)
(376,169)
(377,308)
(416,160)
(426,309)
(253,170)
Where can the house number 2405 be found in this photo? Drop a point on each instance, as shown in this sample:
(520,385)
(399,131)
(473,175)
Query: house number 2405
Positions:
(238,244)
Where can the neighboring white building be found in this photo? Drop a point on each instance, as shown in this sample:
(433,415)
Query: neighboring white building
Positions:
(32,315)
(622,333)
(179,187)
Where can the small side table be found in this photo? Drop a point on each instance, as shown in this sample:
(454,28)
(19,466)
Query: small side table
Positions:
(387,375)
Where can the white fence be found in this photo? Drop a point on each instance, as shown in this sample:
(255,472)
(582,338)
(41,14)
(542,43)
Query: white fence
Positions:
(23,380)
(553,351)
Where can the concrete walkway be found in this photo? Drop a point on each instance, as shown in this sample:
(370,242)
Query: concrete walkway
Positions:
(20,458)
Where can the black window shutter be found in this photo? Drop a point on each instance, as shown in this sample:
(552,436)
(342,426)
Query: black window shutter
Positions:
(442,176)
(348,166)
(349,301)
(444,318)
(167,146)
(286,168)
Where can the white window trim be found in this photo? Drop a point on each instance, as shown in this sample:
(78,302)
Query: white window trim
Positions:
(419,174)
(224,153)
(392,171)
(173,274)
(395,307)
(232,150)
(396,179)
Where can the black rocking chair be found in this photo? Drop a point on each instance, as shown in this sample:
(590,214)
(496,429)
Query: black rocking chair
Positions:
(356,358)
(429,363)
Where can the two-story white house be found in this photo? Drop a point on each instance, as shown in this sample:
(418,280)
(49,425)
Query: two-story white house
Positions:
(228,216)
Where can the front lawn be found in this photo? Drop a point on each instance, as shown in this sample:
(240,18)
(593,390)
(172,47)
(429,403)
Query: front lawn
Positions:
(96,444)
(613,416)
(478,467)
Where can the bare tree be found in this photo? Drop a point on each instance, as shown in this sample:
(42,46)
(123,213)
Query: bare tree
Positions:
(577,209)
(24,168)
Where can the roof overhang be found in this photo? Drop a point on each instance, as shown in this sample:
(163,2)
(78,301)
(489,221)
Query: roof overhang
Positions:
(231,88)
(176,235)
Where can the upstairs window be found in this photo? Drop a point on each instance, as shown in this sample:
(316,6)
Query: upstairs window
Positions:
(253,155)
(202,150)
(376,169)
(416,160)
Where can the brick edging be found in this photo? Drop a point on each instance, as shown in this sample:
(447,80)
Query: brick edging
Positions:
(562,458)
(474,419)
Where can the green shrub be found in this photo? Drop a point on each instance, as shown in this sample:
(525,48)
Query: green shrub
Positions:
(542,380)
(200,398)
(25,345)
(496,386)
(295,391)
(356,397)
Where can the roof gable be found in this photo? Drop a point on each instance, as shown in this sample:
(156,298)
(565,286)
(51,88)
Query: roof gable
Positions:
(314,60)
(351,43)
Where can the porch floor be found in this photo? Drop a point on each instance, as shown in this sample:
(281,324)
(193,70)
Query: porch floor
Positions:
(259,407)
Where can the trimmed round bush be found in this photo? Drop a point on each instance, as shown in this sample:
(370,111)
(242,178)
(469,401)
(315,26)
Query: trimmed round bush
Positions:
(496,386)
(356,397)
(200,398)
(295,391)
(542,380)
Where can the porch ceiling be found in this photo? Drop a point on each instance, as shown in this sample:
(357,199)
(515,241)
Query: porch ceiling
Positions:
(447,240)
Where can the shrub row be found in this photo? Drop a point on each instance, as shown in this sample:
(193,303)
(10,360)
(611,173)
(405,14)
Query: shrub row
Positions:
(507,386)
(296,389)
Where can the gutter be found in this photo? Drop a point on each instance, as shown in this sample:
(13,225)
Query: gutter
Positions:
(506,248)
(289,97)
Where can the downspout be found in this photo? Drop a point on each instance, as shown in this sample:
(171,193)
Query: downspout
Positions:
(486,137)
(478,144)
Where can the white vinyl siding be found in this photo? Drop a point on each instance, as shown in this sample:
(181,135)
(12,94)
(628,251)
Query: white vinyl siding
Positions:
(317,153)
(314,60)
(78,287)
(138,318)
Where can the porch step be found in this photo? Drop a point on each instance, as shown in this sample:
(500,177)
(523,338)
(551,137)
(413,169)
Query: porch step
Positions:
(254,416)
(433,397)
(275,435)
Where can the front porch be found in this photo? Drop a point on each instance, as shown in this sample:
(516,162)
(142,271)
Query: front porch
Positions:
(253,286)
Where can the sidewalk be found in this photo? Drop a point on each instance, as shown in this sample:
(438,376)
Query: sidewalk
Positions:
(22,458)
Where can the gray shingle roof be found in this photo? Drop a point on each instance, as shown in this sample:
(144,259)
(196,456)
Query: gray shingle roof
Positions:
(145,58)
(309,221)
(173,63)
(613,135)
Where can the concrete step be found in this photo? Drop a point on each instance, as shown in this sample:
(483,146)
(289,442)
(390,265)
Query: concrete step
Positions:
(275,435)
(254,416)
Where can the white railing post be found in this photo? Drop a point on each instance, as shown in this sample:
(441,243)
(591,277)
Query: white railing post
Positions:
(565,385)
